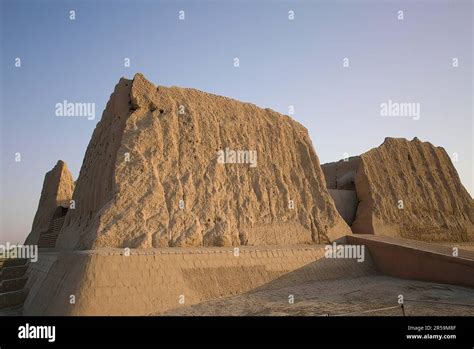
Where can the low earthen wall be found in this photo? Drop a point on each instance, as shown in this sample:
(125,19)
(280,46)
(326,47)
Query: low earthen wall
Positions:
(106,282)
(418,261)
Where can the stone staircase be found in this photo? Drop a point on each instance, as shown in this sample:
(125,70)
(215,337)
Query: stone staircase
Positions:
(48,238)
(12,282)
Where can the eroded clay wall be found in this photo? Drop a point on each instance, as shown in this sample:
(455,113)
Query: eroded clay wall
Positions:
(411,189)
(407,189)
(162,169)
(58,186)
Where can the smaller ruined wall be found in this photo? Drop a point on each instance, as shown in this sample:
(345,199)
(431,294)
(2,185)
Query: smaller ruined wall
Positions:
(104,282)
(58,186)
(407,189)
(417,261)
(411,189)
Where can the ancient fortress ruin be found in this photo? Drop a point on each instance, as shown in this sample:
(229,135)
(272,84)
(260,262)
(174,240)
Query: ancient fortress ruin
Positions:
(177,178)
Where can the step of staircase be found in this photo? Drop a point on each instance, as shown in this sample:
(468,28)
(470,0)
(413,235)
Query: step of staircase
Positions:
(13,272)
(14,262)
(57,224)
(48,238)
(17,310)
(10,285)
(13,298)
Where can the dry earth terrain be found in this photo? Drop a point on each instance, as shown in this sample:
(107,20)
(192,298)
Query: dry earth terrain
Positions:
(370,295)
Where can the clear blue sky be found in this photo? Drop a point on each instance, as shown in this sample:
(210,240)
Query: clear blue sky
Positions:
(282,63)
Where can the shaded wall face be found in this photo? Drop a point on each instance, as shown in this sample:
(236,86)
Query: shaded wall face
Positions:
(341,174)
(95,184)
(340,180)
(346,203)
(398,260)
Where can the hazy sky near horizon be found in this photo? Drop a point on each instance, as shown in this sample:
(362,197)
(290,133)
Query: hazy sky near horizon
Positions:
(282,62)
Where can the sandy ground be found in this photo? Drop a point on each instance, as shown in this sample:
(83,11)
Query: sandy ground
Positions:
(351,296)
(363,296)
(344,297)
